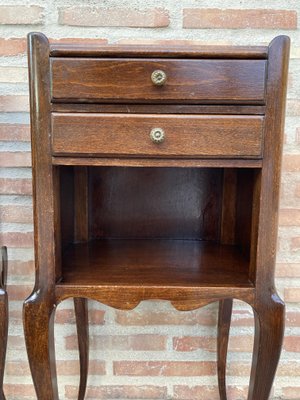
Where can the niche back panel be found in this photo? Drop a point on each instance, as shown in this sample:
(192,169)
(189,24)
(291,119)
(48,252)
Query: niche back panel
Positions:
(175,203)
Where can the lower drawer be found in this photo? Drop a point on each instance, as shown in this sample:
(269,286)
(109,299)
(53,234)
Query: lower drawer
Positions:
(157,135)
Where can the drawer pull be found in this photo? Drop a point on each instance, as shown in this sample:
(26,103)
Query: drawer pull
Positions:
(158,77)
(157,135)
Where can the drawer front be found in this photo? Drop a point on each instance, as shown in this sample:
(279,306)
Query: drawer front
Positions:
(131,80)
(181,136)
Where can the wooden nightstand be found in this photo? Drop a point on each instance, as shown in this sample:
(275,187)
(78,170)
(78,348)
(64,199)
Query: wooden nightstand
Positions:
(3,315)
(156,176)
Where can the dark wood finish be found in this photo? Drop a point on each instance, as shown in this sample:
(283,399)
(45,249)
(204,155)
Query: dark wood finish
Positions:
(3,316)
(82,324)
(129,210)
(158,162)
(269,309)
(158,109)
(128,262)
(185,136)
(225,311)
(129,80)
(229,206)
(39,308)
(216,177)
(81,234)
(163,51)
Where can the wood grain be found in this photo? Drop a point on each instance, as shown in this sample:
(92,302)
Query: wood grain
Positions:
(129,80)
(222,107)
(39,308)
(157,162)
(224,320)
(3,316)
(185,136)
(139,263)
(162,51)
(155,203)
(158,108)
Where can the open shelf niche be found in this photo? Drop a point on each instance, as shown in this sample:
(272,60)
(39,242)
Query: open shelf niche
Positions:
(124,226)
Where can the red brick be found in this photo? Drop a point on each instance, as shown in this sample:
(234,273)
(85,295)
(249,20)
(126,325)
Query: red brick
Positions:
(292,295)
(18,292)
(291,162)
(21,15)
(12,47)
(291,393)
(17,214)
(14,132)
(239,368)
(19,268)
(17,368)
(142,342)
(242,318)
(174,42)
(164,368)
(85,41)
(239,19)
(137,318)
(192,343)
(14,103)
(292,343)
(289,217)
(149,392)
(289,369)
(16,342)
(293,319)
(297,190)
(17,239)
(15,159)
(128,17)
(288,270)
(67,316)
(16,186)
(295,243)
(71,367)
(19,391)
(184,392)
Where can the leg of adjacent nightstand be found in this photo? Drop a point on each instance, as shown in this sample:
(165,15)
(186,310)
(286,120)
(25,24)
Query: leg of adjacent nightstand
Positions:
(3,315)
(225,311)
(38,315)
(82,322)
(269,330)
(3,338)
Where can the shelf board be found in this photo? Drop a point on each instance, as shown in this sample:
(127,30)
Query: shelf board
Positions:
(154,263)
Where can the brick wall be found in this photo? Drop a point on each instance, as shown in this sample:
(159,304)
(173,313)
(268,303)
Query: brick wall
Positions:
(152,352)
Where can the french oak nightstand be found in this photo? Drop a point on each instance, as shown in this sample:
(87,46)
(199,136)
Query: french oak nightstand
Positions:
(156,176)
(3,316)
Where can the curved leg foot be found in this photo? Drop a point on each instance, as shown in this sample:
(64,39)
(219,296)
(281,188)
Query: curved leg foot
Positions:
(269,330)
(3,317)
(3,337)
(225,312)
(38,318)
(82,323)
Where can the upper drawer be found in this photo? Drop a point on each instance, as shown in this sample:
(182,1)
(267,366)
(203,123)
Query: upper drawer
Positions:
(134,135)
(130,80)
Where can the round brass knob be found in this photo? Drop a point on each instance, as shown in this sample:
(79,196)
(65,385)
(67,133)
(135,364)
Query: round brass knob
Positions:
(158,77)
(157,135)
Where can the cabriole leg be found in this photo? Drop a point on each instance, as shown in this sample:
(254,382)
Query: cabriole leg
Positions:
(269,330)
(81,312)
(38,316)
(225,311)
